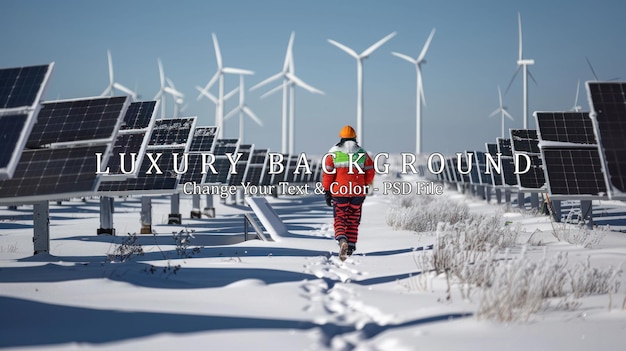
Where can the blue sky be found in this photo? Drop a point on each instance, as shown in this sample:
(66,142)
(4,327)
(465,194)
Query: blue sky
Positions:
(473,51)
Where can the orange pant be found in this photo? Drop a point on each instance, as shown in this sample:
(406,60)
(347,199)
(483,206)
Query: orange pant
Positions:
(347,213)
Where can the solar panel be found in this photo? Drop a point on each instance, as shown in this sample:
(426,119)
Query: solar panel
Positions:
(526,142)
(133,137)
(277,176)
(77,120)
(474,176)
(64,168)
(222,163)
(242,165)
(496,179)
(508,166)
(608,105)
(23,86)
(256,166)
(504,147)
(202,141)
(20,93)
(172,142)
(481,167)
(574,172)
(566,127)
(571,157)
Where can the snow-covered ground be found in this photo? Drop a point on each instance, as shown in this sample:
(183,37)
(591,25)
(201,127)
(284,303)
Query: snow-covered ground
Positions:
(289,295)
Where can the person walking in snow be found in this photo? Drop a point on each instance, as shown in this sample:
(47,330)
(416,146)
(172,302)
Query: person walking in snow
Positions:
(347,176)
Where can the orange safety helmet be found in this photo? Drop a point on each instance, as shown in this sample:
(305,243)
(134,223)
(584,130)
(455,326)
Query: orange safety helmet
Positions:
(347,132)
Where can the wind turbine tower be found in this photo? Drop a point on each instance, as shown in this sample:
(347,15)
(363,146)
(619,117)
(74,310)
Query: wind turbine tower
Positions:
(359,69)
(523,63)
(419,99)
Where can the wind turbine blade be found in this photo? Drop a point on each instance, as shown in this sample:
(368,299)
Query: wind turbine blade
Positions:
(500,96)
(425,48)
(230,70)
(212,81)
(110,66)
(512,79)
(206,94)
(173,92)
(404,57)
(218,54)
(531,77)
(231,93)
(506,113)
(495,112)
(251,114)
(124,89)
(171,84)
(304,85)
(267,80)
(591,67)
(270,92)
(519,22)
(344,48)
(577,93)
(232,112)
(376,45)
(107,90)
(288,55)
(158,95)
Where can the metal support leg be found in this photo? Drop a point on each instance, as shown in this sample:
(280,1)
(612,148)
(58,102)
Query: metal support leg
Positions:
(209,210)
(586,211)
(175,217)
(534,201)
(146,215)
(41,227)
(106,216)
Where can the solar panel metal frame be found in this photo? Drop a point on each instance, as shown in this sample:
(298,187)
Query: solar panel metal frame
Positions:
(31,111)
(125,187)
(142,150)
(596,114)
(524,143)
(546,146)
(105,143)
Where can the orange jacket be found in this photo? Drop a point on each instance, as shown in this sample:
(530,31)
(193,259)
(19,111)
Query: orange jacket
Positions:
(337,176)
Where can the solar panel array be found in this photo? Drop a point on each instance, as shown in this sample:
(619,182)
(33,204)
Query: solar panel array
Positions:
(21,90)
(571,156)
(169,141)
(526,142)
(57,163)
(608,105)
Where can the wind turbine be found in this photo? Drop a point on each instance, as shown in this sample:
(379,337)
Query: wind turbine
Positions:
(110,89)
(290,80)
(523,63)
(594,71)
(165,89)
(502,110)
(243,109)
(219,77)
(420,89)
(359,69)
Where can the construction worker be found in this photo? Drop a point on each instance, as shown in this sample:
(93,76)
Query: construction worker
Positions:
(347,177)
